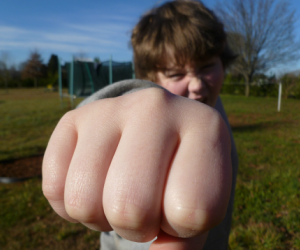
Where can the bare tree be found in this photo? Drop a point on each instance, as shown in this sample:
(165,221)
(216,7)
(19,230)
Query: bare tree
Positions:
(34,67)
(4,68)
(261,32)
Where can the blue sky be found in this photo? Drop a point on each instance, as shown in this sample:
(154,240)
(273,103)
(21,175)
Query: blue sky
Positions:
(68,27)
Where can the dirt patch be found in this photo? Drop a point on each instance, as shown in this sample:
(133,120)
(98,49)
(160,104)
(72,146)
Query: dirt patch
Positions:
(22,168)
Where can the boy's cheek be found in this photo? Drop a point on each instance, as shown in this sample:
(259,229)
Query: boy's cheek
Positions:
(176,88)
(180,90)
(215,88)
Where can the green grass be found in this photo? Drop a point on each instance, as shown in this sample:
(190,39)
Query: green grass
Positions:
(267,211)
(28,117)
(28,222)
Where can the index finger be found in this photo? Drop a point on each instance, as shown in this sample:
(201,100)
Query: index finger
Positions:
(56,163)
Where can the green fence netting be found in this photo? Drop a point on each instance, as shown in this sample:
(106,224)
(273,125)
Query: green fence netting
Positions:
(88,77)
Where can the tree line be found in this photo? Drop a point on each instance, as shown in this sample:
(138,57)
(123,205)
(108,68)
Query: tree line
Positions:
(34,73)
(31,73)
(263,85)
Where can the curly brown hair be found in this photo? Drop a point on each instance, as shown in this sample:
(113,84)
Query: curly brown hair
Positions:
(183,31)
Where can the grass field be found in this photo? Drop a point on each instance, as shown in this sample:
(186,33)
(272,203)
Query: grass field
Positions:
(28,117)
(267,211)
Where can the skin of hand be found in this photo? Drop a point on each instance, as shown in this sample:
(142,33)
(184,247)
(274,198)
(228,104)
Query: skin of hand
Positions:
(146,164)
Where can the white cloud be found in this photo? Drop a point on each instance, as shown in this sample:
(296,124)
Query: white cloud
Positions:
(65,38)
(122,18)
(71,38)
(93,33)
(102,29)
(9,32)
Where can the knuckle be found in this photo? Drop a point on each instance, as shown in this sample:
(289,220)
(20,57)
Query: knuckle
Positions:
(151,98)
(132,222)
(50,193)
(81,210)
(52,189)
(188,222)
(129,216)
(186,218)
(68,119)
(157,98)
(151,106)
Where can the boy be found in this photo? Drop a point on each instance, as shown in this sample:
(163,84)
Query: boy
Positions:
(149,163)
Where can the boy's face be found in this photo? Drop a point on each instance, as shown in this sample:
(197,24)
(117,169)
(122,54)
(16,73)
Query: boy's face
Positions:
(202,82)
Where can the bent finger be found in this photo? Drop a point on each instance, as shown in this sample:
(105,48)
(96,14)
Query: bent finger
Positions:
(95,148)
(135,181)
(199,182)
(56,163)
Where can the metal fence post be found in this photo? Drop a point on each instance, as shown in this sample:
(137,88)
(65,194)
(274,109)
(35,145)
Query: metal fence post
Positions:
(279,97)
(110,71)
(72,82)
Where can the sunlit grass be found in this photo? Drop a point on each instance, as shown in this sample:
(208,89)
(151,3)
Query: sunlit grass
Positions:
(267,212)
(28,117)
(28,222)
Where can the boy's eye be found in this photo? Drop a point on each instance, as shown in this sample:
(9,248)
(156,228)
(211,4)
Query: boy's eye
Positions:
(177,76)
(208,66)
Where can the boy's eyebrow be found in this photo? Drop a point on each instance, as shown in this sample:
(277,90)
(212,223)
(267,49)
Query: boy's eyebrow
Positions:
(171,70)
(177,67)
(174,68)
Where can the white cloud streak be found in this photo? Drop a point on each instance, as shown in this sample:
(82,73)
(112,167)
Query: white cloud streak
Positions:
(95,38)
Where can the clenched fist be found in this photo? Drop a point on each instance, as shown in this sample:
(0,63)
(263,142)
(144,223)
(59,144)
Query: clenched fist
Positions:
(146,164)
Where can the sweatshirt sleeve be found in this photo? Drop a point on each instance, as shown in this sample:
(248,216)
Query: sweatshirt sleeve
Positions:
(119,89)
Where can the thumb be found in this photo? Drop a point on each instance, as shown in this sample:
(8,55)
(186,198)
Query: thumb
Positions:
(168,242)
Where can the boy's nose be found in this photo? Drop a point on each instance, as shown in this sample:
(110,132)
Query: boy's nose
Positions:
(195,85)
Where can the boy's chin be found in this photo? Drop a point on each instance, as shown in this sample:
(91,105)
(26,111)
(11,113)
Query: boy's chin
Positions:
(203,100)
(206,101)
(210,103)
